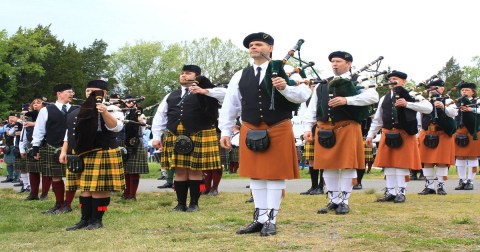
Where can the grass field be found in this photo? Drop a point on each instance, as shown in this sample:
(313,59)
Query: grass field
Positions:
(428,223)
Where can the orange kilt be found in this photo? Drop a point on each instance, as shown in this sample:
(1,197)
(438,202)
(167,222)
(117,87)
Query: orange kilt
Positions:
(279,161)
(347,153)
(473,147)
(444,153)
(406,156)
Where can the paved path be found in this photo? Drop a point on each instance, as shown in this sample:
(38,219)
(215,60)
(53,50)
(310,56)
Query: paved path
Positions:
(293,186)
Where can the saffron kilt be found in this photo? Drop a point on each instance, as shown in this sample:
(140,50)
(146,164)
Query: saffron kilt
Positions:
(51,167)
(233,155)
(279,161)
(137,162)
(34,166)
(103,172)
(72,181)
(473,147)
(20,165)
(406,156)
(368,153)
(444,153)
(347,153)
(308,153)
(205,154)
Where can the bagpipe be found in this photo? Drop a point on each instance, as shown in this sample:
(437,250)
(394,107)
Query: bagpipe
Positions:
(275,69)
(468,119)
(345,87)
(403,117)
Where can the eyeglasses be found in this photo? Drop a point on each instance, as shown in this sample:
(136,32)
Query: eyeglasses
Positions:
(69,92)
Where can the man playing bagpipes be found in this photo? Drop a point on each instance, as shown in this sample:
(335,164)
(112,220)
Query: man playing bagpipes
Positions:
(265,98)
(136,162)
(436,143)
(48,135)
(467,145)
(338,137)
(398,148)
(93,156)
(187,119)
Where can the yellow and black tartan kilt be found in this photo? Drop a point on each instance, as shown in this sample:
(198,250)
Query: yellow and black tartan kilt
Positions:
(137,162)
(103,172)
(20,165)
(368,153)
(51,166)
(308,153)
(205,154)
(234,154)
(72,181)
(34,166)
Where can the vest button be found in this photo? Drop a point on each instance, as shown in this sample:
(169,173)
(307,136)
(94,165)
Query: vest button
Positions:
(261,116)
(259,102)
(260,109)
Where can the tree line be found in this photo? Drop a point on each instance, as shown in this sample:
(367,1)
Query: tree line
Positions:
(33,60)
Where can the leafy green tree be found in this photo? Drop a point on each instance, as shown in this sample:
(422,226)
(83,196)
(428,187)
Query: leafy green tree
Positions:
(148,69)
(95,60)
(472,73)
(451,73)
(219,60)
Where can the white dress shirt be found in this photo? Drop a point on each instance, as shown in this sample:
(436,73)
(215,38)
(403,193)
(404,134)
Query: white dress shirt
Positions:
(424,107)
(159,122)
(232,107)
(40,131)
(364,98)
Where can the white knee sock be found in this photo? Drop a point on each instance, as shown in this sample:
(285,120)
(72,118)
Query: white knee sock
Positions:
(259,194)
(390,183)
(442,173)
(401,183)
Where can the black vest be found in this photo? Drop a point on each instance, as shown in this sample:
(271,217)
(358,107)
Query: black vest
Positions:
(339,113)
(56,125)
(256,102)
(190,113)
(409,124)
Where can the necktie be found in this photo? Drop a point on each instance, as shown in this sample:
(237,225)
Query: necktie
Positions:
(64,109)
(257,77)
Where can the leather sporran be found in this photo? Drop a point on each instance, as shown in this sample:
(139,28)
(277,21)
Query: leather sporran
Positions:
(326,138)
(75,164)
(183,145)
(393,139)
(257,140)
(461,140)
(431,140)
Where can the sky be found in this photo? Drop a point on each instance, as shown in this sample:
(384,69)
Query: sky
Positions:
(415,37)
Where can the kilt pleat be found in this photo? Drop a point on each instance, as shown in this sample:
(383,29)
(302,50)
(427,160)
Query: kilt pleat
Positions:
(205,154)
(34,166)
(20,165)
(137,162)
(51,167)
(308,151)
(103,171)
(234,154)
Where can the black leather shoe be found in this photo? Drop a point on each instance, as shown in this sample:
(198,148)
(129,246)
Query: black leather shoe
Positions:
(387,198)
(307,192)
(79,225)
(249,200)
(268,229)
(427,191)
(94,225)
(23,190)
(461,186)
(8,180)
(166,185)
(468,186)
(180,208)
(358,187)
(192,208)
(400,198)
(206,192)
(213,192)
(44,197)
(317,191)
(330,207)
(342,209)
(52,210)
(413,177)
(162,178)
(31,197)
(253,227)
(441,191)
(421,177)
(64,209)
(18,184)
